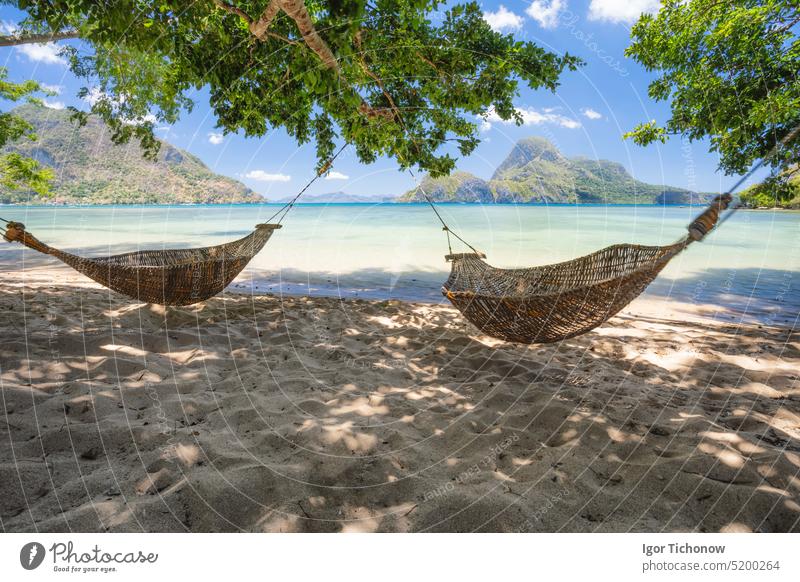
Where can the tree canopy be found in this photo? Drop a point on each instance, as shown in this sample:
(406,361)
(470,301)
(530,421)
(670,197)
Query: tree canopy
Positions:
(16,170)
(731,72)
(401,78)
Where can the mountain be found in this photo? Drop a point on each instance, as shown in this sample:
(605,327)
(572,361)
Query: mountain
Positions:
(90,169)
(457,187)
(535,171)
(339,198)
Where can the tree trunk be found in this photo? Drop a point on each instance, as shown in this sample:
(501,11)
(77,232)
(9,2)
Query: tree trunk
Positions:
(31,38)
(296,10)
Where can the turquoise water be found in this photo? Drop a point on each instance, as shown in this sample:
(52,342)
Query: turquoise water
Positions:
(751,265)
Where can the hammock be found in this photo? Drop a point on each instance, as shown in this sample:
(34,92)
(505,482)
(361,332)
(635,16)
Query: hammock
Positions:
(556,302)
(169,276)
(165,277)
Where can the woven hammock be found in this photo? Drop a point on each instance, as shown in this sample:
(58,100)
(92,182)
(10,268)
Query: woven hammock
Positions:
(170,276)
(165,277)
(556,302)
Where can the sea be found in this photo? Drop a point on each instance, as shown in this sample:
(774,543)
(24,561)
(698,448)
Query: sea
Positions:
(750,267)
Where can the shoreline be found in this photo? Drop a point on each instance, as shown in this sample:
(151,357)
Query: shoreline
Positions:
(383,202)
(269,413)
(664,297)
(670,299)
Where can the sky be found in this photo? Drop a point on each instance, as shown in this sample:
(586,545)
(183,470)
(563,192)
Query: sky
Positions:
(586,116)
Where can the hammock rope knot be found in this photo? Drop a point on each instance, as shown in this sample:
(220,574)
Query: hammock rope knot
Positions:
(165,277)
(15,232)
(706,221)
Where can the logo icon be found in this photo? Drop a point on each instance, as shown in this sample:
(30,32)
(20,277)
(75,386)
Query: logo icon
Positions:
(31,555)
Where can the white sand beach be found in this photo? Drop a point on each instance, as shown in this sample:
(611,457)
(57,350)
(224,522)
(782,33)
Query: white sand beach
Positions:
(296,414)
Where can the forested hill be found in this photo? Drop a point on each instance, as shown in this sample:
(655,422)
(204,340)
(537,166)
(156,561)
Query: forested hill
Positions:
(535,171)
(90,169)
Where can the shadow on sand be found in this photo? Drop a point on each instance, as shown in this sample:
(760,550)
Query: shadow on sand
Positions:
(298,414)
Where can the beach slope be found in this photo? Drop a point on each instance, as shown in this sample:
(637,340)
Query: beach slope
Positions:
(296,414)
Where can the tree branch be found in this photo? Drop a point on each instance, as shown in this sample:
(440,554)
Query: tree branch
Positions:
(377,80)
(234,10)
(789,172)
(296,10)
(260,26)
(424,59)
(37,38)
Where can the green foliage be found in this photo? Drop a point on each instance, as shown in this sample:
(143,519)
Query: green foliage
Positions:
(777,192)
(535,171)
(412,75)
(93,170)
(730,70)
(15,170)
(647,133)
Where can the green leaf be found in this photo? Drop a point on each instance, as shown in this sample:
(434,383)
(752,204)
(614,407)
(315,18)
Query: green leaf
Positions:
(412,74)
(729,69)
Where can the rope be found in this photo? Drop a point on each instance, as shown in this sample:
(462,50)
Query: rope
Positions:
(445,227)
(3,231)
(787,138)
(284,210)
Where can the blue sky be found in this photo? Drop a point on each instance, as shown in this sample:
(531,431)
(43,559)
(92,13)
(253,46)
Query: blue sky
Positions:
(587,116)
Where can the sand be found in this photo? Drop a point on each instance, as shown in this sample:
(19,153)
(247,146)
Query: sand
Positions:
(295,415)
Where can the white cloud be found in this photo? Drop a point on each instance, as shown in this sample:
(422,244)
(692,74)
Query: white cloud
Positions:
(534,117)
(53,104)
(215,138)
(55,89)
(503,20)
(627,11)
(591,113)
(42,53)
(263,176)
(546,12)
(149,118)
(94,95)
(334,175)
